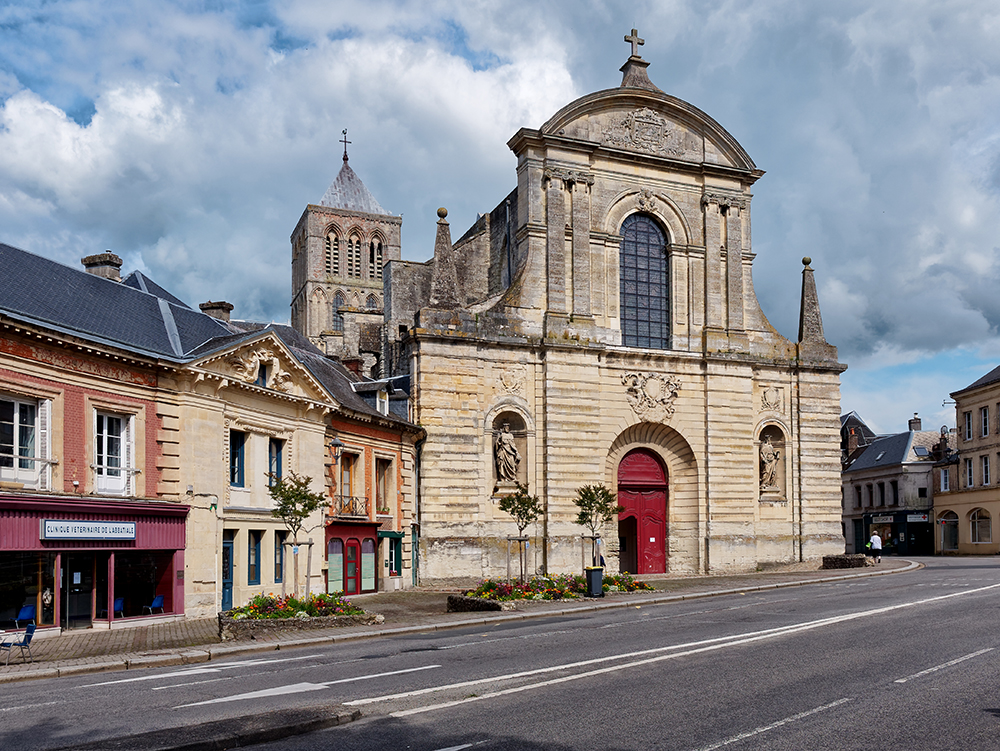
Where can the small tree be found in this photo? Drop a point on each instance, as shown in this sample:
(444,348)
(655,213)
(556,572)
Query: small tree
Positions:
(294,502)
(525,509)
(598,506)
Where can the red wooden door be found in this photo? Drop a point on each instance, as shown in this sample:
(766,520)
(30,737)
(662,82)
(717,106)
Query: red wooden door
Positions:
(352,567)
(642,492)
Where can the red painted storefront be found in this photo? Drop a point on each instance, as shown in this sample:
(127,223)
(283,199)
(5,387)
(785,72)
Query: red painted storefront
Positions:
(76,582)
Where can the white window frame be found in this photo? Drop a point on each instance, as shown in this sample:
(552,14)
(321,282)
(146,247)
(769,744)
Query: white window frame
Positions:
(113,475)
(32,467)
(980,521)
(969,479)
(968,426)
(945,479)
(984,469)
(984,419)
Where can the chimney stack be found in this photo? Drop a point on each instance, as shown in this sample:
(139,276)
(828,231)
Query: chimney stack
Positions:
(915,422)
(220,309)
(106,265)
(353,364)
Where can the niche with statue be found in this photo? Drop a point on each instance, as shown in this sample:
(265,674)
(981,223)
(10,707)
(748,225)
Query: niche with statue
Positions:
(510,443)
(771,461)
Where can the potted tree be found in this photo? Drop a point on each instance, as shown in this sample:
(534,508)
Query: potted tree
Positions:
(525,509)
(293,504)
(597,505)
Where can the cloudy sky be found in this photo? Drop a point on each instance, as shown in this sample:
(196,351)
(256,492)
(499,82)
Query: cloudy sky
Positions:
(188,137)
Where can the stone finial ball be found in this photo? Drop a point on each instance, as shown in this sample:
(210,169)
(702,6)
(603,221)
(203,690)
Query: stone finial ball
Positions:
(442,212)
(806,261)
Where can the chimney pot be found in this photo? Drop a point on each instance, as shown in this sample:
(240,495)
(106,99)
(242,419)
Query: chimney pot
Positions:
(106,265)
(219,310)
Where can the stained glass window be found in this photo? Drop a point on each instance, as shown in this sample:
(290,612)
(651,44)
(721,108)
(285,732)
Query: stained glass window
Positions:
(644,291)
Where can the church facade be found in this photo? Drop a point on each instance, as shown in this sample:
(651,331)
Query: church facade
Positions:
(600,326)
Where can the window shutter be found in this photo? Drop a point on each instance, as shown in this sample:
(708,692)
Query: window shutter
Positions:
(44,449)
(127,455)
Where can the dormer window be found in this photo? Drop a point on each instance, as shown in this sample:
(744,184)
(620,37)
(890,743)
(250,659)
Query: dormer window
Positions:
(261,375)
(382,402)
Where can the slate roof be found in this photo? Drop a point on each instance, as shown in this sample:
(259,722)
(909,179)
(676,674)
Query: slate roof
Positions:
(38,291)
(992,377)
(336,378)
(348,192)
(139,316)
(897,449)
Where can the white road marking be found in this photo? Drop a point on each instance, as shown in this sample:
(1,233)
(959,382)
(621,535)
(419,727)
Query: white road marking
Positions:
(707,645)
(196,683)
(200,670)
(773,725)
(943,665)
(31,706)
(298,688)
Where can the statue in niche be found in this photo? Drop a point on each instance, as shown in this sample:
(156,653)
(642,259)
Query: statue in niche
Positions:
(768,464)
(507,456)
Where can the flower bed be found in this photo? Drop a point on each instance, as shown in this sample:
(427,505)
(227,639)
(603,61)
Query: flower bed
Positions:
(559,587)
(269,614)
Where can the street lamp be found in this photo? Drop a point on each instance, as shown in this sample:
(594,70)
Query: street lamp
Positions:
(336,446)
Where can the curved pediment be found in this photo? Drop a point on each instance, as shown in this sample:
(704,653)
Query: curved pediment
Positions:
(649,123)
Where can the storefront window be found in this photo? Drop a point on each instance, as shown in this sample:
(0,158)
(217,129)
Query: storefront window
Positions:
(27,579)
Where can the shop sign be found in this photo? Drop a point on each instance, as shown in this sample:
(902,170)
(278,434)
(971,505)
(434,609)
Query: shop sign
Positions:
(71,529)
(882,520)
(916,518)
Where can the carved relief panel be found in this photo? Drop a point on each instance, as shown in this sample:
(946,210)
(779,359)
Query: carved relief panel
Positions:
(651,395)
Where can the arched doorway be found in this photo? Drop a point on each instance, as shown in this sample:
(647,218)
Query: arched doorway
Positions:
(642,524)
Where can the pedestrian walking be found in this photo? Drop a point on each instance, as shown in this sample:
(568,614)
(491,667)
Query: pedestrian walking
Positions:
(876,547)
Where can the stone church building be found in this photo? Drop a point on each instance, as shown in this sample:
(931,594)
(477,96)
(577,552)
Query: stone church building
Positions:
(600,326)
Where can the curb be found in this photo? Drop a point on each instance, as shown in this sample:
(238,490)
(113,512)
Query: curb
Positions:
(234,732)
(218,651)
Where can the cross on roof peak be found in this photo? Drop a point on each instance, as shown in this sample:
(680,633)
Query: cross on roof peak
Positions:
(634,39)
(345,142)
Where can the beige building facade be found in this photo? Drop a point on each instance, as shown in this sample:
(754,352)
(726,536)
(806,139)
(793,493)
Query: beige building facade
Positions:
(600,326)
(967,493)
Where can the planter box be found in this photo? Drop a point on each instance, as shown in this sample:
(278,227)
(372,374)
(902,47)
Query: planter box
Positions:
(857,560)
(463,604)
(231,629)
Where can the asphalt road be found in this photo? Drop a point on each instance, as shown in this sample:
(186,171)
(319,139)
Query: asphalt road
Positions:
(908,661)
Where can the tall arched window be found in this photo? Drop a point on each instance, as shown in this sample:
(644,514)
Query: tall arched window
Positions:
(980,527)
(644,284)
(375,259)
(332,254)
(338,317)
(948,524)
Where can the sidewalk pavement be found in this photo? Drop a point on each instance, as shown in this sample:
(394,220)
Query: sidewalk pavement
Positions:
(187,641)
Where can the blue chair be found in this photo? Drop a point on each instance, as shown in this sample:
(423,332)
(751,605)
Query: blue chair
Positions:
(119,608)
(24,644)
(27,613)
(156,603)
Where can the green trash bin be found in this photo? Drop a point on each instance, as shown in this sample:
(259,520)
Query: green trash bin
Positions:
(595,581)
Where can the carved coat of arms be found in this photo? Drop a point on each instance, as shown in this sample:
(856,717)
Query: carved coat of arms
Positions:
(645,130)
(652,395)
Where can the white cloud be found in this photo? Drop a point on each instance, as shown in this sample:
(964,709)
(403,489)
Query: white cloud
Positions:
(189,140)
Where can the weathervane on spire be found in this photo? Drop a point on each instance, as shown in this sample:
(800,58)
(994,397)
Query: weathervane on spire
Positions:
(345,141)
(635,41)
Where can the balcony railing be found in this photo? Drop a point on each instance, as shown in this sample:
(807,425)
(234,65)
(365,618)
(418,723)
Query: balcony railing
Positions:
(349,505)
